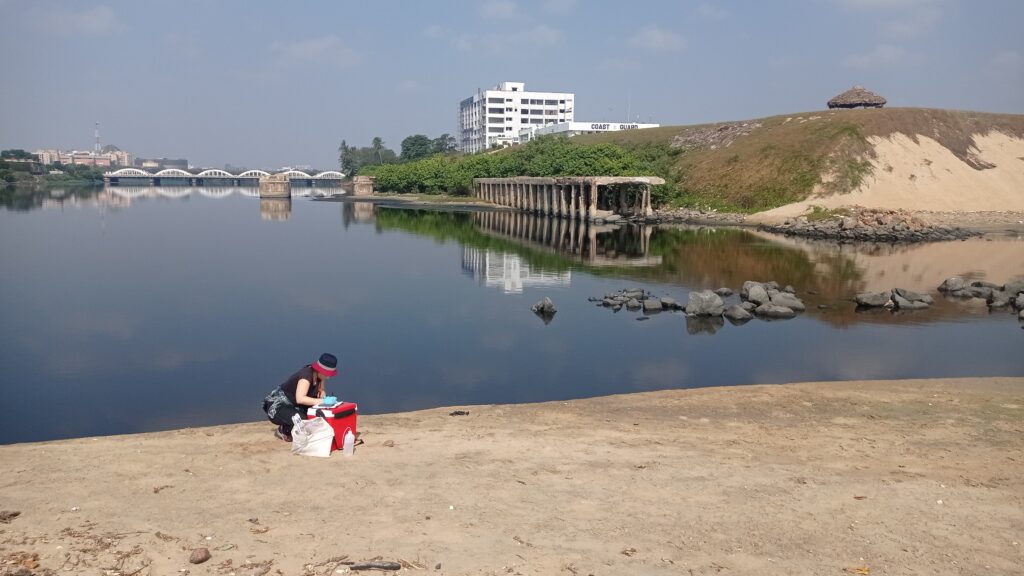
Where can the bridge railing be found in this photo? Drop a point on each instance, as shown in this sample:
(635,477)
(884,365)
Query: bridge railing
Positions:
(216,173)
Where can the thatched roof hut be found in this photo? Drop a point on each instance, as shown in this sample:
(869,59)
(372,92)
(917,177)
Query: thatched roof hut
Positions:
(857,97)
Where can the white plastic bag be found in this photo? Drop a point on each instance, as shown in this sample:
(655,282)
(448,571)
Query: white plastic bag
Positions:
(312,437)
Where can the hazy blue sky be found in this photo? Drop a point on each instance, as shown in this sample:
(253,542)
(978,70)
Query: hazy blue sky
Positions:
(275,83)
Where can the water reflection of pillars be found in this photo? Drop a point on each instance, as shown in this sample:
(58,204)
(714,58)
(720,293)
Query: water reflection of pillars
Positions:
(558,235)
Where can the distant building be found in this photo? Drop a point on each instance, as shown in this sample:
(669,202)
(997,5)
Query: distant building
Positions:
(574,128)
(90,159)
(156,164)
(48,156)
(121,158)
(496,116)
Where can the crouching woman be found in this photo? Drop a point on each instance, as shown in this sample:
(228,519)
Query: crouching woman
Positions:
(301,390)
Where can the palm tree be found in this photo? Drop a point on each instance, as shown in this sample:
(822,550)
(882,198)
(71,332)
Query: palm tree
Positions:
(377,146)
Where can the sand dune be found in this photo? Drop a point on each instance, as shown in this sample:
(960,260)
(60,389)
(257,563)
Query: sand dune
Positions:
(924,175)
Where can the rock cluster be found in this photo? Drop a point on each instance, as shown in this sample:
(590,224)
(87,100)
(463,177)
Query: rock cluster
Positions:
(997,296)
(870,225)
(714,136)
(896,299)
(1007,295)
(544,309)
(687,215)
(768,301)
(706,308)
(637,299)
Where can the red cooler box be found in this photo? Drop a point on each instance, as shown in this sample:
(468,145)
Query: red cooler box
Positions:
(341,417)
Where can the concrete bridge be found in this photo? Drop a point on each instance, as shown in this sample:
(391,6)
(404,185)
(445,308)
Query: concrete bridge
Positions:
(574,197)
(214,177)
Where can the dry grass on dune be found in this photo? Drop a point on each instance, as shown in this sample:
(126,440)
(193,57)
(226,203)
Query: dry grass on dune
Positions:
(764,163)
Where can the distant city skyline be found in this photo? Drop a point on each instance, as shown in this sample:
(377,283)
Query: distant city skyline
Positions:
(262,84)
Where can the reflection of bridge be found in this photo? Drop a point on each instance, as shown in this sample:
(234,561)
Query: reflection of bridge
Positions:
(135,192)
(598,245)
(215,177)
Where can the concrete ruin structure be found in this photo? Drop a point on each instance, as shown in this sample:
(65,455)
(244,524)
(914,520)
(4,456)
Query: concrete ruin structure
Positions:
(275,186)
(363,185)
(574,197)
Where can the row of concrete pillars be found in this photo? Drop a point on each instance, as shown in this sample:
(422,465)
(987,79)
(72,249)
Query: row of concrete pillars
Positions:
(581,200)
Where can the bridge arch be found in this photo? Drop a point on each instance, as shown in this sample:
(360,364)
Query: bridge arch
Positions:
(174,172)
(330,175)
(253,174)
(215,172)
(295,174)
(128,172)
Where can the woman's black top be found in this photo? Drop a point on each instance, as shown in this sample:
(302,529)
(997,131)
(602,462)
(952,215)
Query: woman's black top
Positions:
(304,373)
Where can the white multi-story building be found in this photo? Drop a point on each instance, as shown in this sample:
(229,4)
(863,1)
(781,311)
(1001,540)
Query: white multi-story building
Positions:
(496,116)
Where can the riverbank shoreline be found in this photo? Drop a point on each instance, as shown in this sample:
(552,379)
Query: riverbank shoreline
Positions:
(929,225)
(890,476)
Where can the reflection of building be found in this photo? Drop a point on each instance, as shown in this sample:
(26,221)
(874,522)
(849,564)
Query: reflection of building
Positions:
(508,271)
(495,116)
(275,208)
(359,212)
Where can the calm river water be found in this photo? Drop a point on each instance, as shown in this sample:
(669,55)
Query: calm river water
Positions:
(149,309)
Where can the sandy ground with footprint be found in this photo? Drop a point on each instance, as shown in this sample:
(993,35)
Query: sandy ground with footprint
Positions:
(880,477)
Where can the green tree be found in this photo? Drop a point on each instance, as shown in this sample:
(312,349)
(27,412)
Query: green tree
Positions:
(378,146)
(444,144)
(415,147)
(353,160)
(347,159)
(17,154)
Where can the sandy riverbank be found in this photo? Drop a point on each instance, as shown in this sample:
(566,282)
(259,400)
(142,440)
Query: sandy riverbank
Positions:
(885,477)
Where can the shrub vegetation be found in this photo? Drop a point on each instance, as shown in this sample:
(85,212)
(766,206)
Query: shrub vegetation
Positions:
(543,157)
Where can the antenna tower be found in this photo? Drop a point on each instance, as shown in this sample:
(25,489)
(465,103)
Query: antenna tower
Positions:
(96,148)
